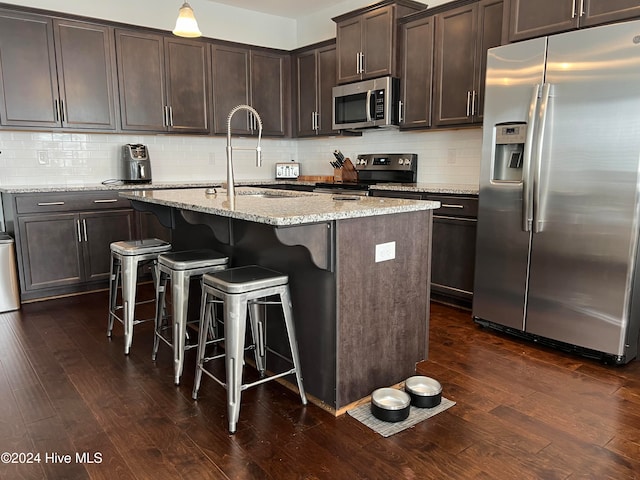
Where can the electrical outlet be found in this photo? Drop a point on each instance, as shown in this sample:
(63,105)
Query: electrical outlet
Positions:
(385,251)
(43,157)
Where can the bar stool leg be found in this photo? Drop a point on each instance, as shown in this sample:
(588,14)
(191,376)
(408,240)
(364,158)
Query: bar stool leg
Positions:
(206,316)
(257,316)
(235,327)
(161,288)
(293,344)
(114,276)
(129,283)
(180,295)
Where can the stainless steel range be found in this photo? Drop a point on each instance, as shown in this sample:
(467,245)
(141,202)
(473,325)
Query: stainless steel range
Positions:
(375,168)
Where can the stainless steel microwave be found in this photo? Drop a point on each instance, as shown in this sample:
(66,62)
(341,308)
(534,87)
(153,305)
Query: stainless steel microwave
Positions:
(366,104)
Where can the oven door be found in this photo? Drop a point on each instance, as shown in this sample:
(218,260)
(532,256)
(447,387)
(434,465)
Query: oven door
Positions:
(352,110)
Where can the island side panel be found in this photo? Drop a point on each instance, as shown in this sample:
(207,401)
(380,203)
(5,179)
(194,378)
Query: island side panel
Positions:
(383,307)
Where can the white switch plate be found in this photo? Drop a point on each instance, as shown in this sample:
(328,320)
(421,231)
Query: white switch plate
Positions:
(385,251)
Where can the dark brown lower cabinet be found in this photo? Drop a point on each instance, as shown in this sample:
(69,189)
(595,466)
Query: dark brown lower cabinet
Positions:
(63,239)
(67,249)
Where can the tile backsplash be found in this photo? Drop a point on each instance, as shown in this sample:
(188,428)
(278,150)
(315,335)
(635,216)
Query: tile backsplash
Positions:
(52,158)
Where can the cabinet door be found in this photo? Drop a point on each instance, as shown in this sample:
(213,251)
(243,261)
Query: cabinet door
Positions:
(453,261)
(417,72)
(326,81)
(230,87)
(28,80)
(349,44)
(99,230)
(141,81)
(306,92)
(456,33)
(50,250)
(378,30)
(187,85)
(596,12)
(491,33)
(84,54)
(536,18)
(269,90)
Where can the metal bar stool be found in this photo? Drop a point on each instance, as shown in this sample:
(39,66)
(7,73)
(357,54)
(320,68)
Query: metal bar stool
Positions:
(240,289)
(180,268)
(126,257)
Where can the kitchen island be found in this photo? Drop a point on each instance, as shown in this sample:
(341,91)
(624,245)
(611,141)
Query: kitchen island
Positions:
(359,273)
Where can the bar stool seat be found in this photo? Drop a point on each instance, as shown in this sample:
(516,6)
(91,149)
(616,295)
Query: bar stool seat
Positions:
(126,257)
(244,289)
(180,267)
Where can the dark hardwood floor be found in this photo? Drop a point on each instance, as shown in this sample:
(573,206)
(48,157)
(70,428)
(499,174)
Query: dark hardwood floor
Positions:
(523,411)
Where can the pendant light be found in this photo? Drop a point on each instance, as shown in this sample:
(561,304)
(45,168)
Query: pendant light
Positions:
(186,25)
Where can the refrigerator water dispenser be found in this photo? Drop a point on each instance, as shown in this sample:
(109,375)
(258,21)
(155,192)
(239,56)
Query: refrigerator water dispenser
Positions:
(509,152)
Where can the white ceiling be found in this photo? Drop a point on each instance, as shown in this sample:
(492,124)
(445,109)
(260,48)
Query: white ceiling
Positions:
(282,8)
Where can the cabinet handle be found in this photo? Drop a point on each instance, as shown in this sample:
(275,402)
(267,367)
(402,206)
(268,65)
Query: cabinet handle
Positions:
(468,101)
(361,62)
(56,110)
(451,205)
(400,116)
(171,116)
(313,120)
(317,117)
(84,228)
(473,102)
(358,62)
(582,8)
(78,231)
(108,200)
(48,204)
(62,110)
(573,9)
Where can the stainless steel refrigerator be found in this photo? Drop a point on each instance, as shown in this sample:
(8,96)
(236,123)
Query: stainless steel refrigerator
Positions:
(557,240)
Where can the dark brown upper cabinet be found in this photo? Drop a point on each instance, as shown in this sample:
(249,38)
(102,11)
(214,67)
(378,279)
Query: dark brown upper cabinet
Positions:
(255,77)
(366,40)
(416,80)
(55,73)
(163,83)
(463,36)
(315,77)
(536,18)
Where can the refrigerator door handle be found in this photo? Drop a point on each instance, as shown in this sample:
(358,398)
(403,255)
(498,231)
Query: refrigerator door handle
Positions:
(527,190)
(538,190)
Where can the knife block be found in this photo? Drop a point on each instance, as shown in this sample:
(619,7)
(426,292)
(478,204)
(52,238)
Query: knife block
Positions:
(346,174)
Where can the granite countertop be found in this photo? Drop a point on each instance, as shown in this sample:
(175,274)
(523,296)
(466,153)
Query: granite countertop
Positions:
(450,188)
(402,187)
(279,207)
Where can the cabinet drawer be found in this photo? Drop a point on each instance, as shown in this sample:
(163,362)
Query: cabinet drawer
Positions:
(453,206)
(64,201)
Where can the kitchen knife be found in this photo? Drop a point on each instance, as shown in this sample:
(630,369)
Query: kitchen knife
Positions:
(339,157)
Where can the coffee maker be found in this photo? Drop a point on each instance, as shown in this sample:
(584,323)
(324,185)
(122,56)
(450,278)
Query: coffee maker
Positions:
(136,165)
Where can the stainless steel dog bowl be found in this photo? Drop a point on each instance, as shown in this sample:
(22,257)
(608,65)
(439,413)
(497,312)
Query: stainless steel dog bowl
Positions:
(425,392)
(390,404)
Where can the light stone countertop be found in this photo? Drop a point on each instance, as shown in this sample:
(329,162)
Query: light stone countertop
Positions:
(279,207)
(436,188)
(445,188)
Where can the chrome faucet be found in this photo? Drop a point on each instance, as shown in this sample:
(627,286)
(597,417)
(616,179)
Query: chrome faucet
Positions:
(230,182)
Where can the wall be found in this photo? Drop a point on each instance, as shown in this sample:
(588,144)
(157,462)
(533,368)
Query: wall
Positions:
(44,158)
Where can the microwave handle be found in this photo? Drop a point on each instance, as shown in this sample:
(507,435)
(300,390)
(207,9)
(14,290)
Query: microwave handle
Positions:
(369,105)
